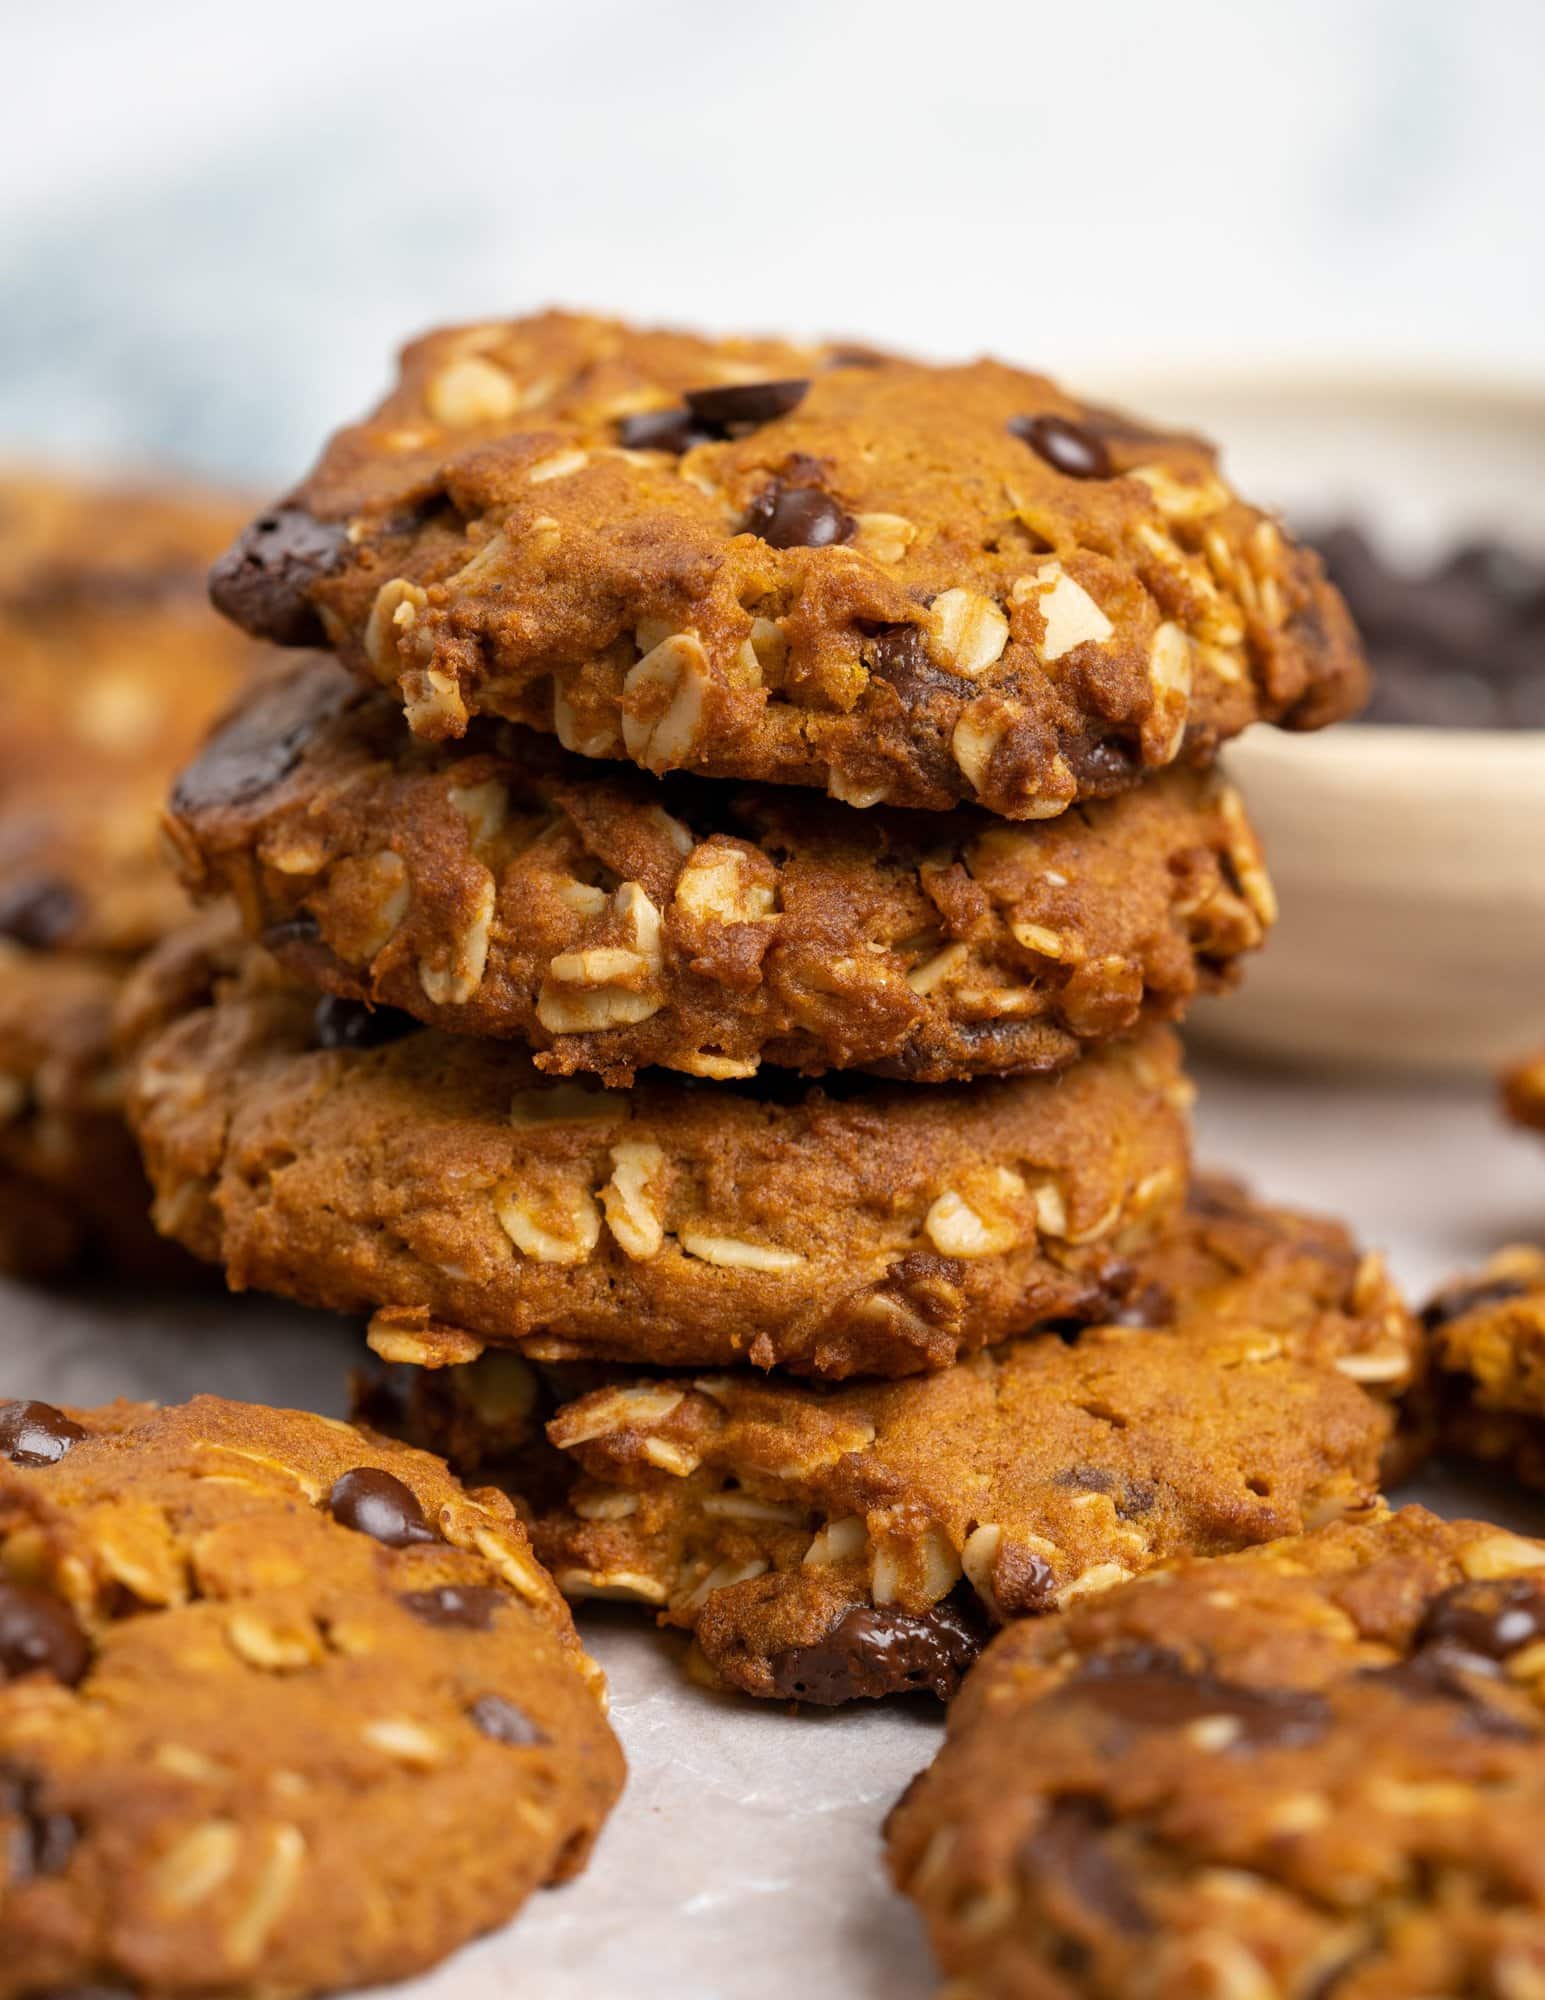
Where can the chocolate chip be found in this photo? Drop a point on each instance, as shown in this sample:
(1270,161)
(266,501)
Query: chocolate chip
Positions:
(1459,1300)
(36,1433)
(262,580)
(746,403)
(1489,1619)
(465,1607)
(1144,1687)
(1151,1306)
(301,929)
(870,1652)
(797,517)
(663,430)
(1067,447)
(263,741)
(1066,1850)
(39,913)
(39,1634)
(350,1024)
(899,656)
(379,1505)
(41,1842)
(504,1722)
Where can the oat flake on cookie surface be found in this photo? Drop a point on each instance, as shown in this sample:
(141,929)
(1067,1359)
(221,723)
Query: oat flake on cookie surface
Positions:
(1312,1769)
(813,565)
(825,1545)
(283,1708)
(501,886)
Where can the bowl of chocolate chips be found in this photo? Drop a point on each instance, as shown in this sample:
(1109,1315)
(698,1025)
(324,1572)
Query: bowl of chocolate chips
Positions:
(1408,848)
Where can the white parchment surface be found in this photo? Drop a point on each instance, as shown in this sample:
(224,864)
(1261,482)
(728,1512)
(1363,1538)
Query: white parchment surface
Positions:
(743,1862)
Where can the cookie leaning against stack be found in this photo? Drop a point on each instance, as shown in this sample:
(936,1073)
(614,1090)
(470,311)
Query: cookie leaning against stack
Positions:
(114,668)
(576,1021)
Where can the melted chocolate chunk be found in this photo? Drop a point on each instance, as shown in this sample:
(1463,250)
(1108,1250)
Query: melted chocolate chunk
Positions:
(350,1024)
(899,656)
(41,1842)
(871,1652)
(1150,1306)
(464,1607)
(1104,767)
(1490,1620)
(746,403)
(262,581)
(379,1505)
(1066,1851)
(504,1722)
(663,430)
(36,1433)
(1461,1299)
(261,744)
(797,517)
(301,929)
(39,1635)
(1067,447)
(40,913)
(1144,1687)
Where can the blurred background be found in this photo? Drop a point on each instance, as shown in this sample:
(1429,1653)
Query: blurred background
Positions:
(216,222)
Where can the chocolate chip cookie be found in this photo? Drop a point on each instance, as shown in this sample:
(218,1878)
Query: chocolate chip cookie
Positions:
(356,1160)
(1487,1336)
(282,1708)
(1313,1768)
(114,666)
(500,886)
(825,1545)
(896,582)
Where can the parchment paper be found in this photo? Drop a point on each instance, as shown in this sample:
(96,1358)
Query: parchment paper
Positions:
(743,1862)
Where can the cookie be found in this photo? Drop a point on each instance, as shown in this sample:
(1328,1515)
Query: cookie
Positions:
(1313,1768)
(355,1160)
(895,582)
(282,1708)
(114,668)
(73,1195)
(825,1545)
(1524,1091)
(502,887)
(1487,1337)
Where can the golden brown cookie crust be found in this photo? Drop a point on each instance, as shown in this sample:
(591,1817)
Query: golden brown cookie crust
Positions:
(1315,1767)
(898,583)
(502,887)
(443,1179)
(264,1724)
(828,1544)
(114,668)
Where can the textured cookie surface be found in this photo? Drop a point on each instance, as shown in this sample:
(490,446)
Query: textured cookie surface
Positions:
(1487,1336)
(870,1228)
(899,583)
(282,1708)
(114,668)
(1312,1769)
(830,1544)
(502,887)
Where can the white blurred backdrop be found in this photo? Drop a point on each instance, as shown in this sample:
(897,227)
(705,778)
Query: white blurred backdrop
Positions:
(215,221)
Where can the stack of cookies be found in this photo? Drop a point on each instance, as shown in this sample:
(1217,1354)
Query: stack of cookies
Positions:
(712,889)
